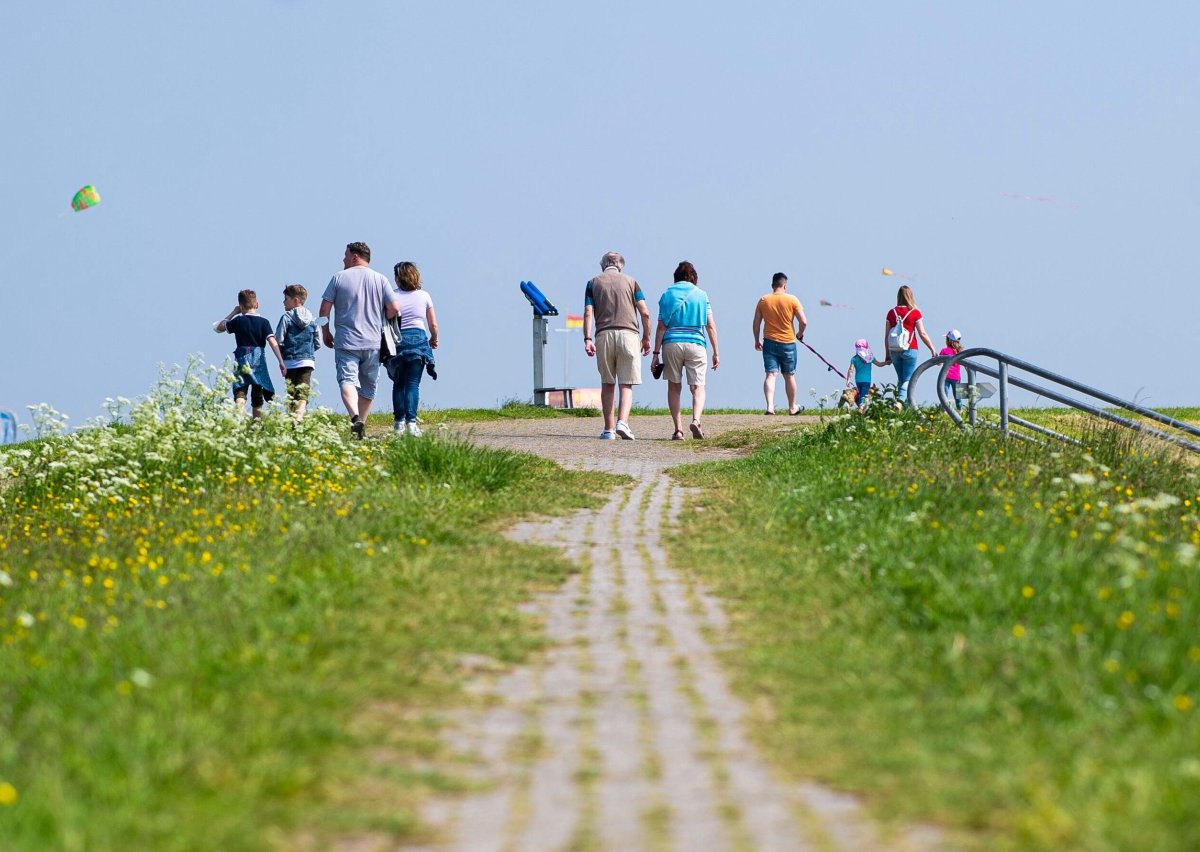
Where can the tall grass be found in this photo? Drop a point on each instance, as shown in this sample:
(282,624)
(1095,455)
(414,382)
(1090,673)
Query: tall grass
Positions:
(209,628)
(994,635)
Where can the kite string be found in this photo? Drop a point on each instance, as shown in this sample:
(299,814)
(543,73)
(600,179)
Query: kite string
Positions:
(822,357)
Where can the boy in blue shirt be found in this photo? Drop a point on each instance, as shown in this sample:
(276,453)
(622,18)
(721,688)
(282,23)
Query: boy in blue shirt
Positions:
(253,335)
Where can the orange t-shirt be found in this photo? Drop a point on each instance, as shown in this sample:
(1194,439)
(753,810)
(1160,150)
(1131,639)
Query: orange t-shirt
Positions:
(778,310)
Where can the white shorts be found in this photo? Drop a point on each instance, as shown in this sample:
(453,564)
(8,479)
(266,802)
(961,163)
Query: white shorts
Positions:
(358,367)
(619,356)
(678,358)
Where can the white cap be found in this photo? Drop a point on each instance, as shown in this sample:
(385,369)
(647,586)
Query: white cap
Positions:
(953,334)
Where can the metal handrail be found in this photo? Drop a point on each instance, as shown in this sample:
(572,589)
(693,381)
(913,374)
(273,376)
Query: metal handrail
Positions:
(1007,420)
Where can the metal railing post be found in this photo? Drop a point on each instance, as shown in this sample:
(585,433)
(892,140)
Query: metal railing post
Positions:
(1004,397)
(972,391)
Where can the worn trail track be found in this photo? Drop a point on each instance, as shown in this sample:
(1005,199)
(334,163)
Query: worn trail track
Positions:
(625,734)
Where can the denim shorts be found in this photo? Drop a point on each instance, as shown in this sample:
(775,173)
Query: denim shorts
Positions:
(358,367)
(779,357)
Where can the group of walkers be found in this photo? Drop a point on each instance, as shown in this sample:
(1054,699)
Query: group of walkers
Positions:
(393,326)
(616,331)
(377,324)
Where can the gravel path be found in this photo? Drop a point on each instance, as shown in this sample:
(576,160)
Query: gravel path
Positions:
(625,735)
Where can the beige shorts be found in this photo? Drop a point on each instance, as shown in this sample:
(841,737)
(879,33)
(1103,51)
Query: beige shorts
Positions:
(678,357)
(619,356)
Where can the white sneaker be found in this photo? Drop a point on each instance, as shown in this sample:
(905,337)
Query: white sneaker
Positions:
(414,429)
(398,428)
(623,430)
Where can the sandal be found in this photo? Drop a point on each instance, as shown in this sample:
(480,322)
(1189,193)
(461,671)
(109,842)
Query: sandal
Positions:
(768,411)
(678,436)
(799,410)
(697,432)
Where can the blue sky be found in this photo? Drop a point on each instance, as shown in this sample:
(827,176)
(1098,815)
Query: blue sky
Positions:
(244,144)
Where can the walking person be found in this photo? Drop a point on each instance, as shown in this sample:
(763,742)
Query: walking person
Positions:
(296,334)
(614,314)
(954,374)
(784,318)
(902,326)
(361,300)
(414,348)
(684,317)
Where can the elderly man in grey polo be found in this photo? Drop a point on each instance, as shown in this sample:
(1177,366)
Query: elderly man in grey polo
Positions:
(614,313)
(361,299)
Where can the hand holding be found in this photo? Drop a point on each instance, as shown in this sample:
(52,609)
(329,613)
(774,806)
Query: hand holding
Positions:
(589,347)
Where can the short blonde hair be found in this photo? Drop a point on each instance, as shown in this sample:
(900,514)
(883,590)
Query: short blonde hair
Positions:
(408,276)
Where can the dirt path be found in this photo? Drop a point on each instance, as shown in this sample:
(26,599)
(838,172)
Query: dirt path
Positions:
(625,734)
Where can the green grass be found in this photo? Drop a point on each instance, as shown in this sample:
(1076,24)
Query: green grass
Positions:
(998,637)
(220,636)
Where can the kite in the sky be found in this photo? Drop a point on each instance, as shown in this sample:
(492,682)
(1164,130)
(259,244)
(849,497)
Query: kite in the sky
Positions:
(1042,199)
(886,271)
(85,198)
(825,303)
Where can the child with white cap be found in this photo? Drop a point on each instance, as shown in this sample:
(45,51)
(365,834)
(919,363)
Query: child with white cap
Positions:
(858,374)
(954,374)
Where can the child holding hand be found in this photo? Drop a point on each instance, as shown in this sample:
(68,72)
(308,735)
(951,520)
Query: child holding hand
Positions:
(858,374)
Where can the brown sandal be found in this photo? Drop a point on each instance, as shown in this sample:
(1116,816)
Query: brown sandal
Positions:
(678,436)
(697,432)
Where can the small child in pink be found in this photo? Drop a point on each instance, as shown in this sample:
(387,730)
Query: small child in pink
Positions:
(954,374)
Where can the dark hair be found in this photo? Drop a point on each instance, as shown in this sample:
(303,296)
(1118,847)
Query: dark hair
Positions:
(407,276)
(296,291)
(686,272)
(247,299)
(777,280)
(361,249)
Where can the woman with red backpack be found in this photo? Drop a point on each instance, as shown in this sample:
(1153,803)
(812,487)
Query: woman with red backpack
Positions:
(900,331)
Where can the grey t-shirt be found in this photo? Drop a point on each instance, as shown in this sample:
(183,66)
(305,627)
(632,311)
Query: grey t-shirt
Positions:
(359,295)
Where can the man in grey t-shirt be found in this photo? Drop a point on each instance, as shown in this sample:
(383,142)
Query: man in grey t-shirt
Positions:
(361,300)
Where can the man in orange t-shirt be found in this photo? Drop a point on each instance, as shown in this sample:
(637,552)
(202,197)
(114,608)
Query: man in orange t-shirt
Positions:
(785,323)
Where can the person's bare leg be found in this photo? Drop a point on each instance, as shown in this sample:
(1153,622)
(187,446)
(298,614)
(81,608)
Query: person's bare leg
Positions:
(350,399)
(256,413)
(364,407)
(789,386)
(769,391)
(674,392)
(697,402)
(240,402)
(608,395)
(301,408)
(626,403)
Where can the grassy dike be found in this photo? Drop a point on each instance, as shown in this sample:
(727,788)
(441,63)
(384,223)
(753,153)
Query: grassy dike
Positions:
(994,636)
(221,636)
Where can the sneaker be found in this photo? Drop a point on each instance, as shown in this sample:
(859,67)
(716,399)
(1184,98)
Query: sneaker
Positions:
(623,430)
(608,435)
(398,428)
(358,428)
(414,429)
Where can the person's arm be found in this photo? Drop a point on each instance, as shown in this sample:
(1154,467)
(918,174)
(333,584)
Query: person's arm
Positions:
(711,328)
(758,321)
(920,325)
(801,321)
(278,354)
(589,322)
(645,314)
(219,325)
(850,375)
(659,332)
(887,358)
(431,319)
(589,331)
(326,334)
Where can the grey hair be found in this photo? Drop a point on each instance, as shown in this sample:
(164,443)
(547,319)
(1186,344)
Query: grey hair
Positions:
(612,258)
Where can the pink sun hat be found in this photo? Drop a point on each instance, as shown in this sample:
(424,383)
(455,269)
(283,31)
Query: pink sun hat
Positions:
(863,349)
